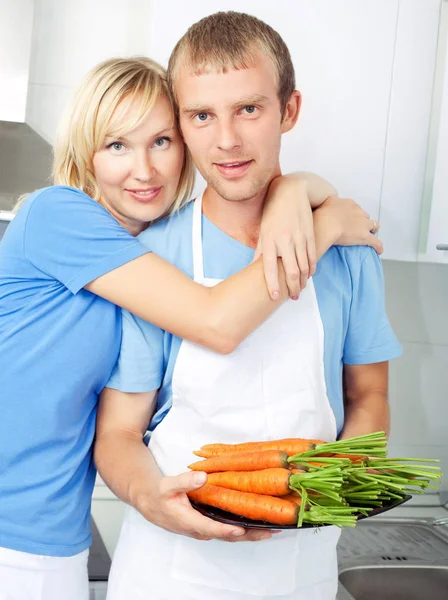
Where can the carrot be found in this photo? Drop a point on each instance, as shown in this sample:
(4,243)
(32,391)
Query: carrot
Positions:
(289,445)
(272,482)
(251,506)
(354,458)
(246,461)
(294,497)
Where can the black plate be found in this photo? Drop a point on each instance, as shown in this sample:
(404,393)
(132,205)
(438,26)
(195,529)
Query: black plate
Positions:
(231,519)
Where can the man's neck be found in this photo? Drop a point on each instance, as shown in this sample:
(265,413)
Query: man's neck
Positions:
(240,219)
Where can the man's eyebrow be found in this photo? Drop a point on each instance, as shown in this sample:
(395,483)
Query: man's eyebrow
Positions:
(255,99)
(198,108)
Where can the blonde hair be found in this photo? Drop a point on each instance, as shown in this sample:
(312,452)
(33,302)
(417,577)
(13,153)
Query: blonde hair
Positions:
(233,39)
(92,117)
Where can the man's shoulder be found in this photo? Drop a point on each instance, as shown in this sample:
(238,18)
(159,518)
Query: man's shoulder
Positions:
(349,258)
(176,224)
(170,238)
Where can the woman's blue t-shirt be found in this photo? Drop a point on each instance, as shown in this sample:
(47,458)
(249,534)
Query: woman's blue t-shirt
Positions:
(58,346)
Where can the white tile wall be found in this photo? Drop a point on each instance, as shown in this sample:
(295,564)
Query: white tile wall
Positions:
(416,302)
(69,38)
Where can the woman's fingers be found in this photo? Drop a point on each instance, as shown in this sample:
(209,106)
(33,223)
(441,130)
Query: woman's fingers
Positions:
(269,252)
(290,253)
(375,243)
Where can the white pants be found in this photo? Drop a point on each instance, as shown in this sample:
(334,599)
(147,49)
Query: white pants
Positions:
(25,576)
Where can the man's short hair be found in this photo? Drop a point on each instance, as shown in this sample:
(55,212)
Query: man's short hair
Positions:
(232,40)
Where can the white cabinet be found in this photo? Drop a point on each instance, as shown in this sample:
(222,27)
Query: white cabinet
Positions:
(434,225)
(16,24)
(366,71)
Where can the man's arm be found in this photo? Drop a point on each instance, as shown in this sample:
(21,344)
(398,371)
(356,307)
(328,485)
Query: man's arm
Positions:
(129,469)
(366,399)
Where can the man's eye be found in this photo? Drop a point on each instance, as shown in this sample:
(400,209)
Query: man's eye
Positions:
(250,109)
(202,116)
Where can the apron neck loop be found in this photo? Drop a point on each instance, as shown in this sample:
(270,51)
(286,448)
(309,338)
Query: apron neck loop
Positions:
(198,261)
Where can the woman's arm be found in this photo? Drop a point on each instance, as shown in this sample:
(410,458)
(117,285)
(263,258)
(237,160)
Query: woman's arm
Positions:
(287,227)
(219,317)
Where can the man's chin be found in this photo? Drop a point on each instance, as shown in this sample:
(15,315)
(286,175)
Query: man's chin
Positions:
(236,191)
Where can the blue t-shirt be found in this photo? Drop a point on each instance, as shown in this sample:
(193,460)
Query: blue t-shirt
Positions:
(59,344)
(350,295)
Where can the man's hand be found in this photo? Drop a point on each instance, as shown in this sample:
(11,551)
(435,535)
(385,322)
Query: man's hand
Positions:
(169,508)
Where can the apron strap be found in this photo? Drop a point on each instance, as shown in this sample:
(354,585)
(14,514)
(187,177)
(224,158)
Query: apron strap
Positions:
(198,261)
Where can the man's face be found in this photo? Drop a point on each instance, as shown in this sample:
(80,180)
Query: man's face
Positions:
(232,125)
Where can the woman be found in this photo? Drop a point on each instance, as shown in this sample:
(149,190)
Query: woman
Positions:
(68,261)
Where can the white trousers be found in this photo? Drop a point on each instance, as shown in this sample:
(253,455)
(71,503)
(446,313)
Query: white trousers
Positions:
(25,576)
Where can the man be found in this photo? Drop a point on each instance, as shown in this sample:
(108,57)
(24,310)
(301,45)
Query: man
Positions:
(233,82)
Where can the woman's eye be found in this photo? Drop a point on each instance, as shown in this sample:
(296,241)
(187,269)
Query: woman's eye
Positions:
(202,117)
(162,142)
(116,146)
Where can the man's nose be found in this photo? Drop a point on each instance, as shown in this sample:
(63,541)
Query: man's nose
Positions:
(229,138)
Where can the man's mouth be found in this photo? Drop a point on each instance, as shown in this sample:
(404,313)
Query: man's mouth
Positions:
(231,169)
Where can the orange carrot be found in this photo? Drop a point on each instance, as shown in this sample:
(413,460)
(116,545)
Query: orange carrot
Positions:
(246,461)
(251,506)
(289,445)
(294,497)
(272,482)
(355,458)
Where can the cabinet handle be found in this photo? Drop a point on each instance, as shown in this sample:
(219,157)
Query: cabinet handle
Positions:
(442,246)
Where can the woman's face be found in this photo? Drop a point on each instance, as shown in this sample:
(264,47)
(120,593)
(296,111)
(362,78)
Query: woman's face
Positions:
(138,174)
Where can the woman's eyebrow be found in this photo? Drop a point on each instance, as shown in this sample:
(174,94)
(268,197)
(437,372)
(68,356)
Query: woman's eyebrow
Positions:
(123,138)
(166,130)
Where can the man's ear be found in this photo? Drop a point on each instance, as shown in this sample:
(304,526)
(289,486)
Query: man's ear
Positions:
(292,111)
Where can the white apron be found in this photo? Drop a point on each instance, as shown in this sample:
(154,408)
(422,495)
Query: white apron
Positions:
(25,576)
(272,386)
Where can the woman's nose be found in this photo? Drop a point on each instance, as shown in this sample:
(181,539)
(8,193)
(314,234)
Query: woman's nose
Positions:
(144,170)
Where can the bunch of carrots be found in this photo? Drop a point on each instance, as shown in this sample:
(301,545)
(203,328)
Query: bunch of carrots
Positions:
(295,481)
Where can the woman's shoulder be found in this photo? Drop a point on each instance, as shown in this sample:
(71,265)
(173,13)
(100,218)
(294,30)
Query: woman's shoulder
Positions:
(54,193)
(61,202)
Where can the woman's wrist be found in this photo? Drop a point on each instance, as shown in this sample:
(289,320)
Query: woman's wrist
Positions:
(327,229)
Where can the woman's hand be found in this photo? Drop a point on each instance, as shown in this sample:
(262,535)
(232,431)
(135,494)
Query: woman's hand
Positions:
(287,231)
(340,221)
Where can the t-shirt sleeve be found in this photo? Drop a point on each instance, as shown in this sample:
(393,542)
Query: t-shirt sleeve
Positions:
(73,239)
(370,338)
(140,365)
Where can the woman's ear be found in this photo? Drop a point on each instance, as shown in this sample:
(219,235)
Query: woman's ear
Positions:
(292,111)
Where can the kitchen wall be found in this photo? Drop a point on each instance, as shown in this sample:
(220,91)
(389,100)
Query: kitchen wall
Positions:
(416,296)
(69,38)
(16,23)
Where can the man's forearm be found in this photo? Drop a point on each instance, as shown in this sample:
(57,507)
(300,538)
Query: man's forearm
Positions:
(367,415)
(127,467)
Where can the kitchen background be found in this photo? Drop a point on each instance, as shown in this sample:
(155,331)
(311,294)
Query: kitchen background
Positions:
(374,79)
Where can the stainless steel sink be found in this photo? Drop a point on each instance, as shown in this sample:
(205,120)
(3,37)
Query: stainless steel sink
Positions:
(399,559)
(396,583)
